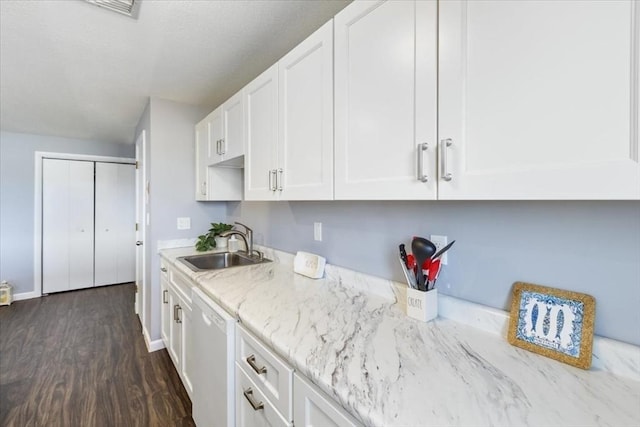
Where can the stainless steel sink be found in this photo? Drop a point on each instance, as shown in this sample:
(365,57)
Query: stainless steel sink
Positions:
(220,260)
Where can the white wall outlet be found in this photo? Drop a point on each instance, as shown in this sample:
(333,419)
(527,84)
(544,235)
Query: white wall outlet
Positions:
(440,242)
(317,231)
(184,223)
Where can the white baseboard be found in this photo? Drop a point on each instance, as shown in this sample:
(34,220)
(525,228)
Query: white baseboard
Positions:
(152,345)
(26,295)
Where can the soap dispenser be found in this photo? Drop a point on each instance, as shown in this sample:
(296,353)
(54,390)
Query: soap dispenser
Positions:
(233,245)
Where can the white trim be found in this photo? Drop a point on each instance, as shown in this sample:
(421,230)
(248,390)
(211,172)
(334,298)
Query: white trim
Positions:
(154,345)
(25,295)
(37,203)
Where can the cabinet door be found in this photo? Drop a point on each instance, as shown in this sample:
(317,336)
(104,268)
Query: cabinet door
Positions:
(107,211)
(126,223)
(165,311)
(186,348)
(202,155)
(253,409)
(311,407)
(175,330)
(539,99)
(232,144)
(305,136)
(386,100)
(67,225)
(261,124)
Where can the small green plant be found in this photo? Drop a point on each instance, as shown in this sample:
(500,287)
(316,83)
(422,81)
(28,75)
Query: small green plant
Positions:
(208,241)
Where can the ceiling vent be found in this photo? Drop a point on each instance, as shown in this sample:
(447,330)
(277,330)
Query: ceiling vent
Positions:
(125,7)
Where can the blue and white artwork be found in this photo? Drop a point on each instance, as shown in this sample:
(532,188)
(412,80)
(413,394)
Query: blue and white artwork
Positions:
(551,322)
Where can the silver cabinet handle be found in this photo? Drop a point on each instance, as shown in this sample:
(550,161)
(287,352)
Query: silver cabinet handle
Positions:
(139,243)
(223,146)
(203,188)
(165,295)
(422,177)
(444,145)
(279,179)
(272,173)
(251,360)
(248,394)
(163,269)
(175,312)
(179,315)
(218,147)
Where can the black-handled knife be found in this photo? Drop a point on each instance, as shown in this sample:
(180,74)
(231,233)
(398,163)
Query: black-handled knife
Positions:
(403,254)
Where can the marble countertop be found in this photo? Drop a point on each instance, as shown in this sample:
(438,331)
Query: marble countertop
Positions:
(353,340)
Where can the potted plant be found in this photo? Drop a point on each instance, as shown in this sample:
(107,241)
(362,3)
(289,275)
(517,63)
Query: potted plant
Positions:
(212,239)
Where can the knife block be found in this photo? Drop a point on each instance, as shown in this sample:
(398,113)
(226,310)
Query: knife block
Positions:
(422,305)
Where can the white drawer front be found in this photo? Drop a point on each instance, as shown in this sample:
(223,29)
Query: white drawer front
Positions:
(270,373)
(253,409)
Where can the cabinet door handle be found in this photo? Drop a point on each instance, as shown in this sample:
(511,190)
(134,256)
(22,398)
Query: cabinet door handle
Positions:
(422,177)
(251,360)
(218,147)
(203,188)
(163,269)
(179,317)
(444,145)
(165,294)
(175,313)
(279,179)
(223,146)
(271,174)
(248,394)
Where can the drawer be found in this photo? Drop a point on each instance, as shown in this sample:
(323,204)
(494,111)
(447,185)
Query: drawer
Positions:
(268,371)
(312,407)
(253,409)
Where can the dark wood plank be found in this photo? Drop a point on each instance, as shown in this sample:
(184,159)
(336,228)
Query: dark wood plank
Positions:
(79,359)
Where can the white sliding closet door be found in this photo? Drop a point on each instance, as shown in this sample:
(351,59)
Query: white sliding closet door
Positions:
(115,224)
(67,225)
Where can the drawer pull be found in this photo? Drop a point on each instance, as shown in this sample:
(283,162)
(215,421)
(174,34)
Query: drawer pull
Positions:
(422,176)
(165,295)
(251,360)
(248,393)
(163,269)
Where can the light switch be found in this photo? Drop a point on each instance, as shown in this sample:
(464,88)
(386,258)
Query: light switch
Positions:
(317,231)
(184,223)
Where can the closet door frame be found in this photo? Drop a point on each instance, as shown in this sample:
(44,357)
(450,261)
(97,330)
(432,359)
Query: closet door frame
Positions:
(37,222)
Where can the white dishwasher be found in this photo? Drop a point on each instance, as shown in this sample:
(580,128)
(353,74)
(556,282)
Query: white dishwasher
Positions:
(213,397)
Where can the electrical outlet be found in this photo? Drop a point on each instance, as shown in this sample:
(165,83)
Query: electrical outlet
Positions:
(317,231)
(184,223)
(440,242)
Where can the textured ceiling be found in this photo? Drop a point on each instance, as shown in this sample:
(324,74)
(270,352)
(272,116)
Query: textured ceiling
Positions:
(71,69)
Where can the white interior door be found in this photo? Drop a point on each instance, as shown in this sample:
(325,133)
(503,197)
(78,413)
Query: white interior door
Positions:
(141,214)
(106,258)
(67,225)
(126,224)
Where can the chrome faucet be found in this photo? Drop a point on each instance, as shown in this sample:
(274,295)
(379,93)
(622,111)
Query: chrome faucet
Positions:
(247,238)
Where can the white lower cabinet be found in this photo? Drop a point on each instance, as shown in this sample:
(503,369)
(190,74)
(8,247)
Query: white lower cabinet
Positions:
(313,408)
(177,332)
(165,307)
(253,409)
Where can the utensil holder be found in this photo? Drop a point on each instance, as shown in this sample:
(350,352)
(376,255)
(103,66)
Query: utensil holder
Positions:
(422,305)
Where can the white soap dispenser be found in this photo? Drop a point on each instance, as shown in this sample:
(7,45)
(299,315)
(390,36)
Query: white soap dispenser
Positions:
(233,245)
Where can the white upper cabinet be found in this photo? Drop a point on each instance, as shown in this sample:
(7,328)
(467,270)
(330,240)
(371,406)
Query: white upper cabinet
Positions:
(289,125)
(261,125)
(539,100)
(202,154)
(386,100)
(305,132)
(226,130)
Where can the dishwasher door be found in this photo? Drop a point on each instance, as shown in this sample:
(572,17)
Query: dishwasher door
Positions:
(213,355)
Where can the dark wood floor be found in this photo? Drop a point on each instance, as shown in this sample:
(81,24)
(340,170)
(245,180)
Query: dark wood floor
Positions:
(79,359)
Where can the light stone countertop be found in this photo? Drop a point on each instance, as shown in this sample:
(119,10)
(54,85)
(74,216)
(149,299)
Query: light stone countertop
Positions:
(387,369)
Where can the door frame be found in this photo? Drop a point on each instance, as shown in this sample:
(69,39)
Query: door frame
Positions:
(141,230)
(37,221)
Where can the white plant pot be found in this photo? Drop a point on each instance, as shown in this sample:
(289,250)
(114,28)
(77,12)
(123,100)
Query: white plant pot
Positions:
(221,242)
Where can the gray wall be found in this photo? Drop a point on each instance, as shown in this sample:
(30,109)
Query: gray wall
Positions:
(588,246)
(17,186)
(171,173)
